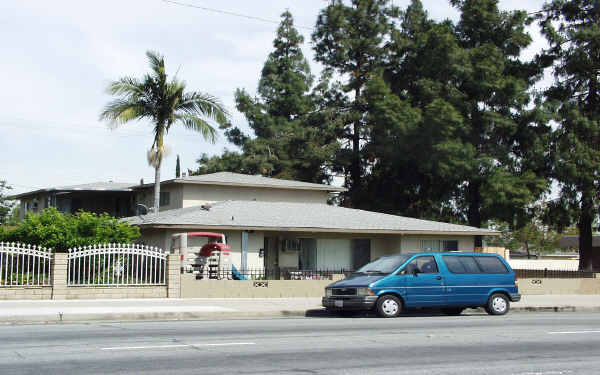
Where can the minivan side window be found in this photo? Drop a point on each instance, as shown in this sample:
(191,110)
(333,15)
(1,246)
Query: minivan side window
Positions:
(461,264)
(491,265)
(424,264)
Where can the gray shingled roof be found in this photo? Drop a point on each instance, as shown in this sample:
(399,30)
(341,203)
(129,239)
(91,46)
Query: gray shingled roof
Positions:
(238,179)
(297,216)
(94,186)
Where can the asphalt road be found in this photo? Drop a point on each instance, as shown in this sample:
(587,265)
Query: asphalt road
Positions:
(527,343)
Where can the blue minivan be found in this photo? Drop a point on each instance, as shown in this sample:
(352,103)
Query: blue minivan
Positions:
(451,281)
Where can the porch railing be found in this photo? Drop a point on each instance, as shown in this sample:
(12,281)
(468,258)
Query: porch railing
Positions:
(279,273)
(24,265)
(553,274)
(116,265)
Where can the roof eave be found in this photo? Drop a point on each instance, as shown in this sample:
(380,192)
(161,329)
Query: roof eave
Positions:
(327,188)
(52,190)
(316,229)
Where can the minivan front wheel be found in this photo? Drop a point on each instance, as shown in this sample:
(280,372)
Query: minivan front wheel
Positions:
(389,306)
(497,304)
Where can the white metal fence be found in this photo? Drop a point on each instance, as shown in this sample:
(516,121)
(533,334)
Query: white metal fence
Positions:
(116,265)
(24,265)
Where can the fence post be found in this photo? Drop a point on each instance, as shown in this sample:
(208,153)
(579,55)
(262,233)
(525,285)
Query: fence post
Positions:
(173,276)
(60,264)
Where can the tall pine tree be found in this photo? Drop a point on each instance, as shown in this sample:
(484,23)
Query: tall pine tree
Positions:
(458,136)
(294,137)
(349,41)
(572,28)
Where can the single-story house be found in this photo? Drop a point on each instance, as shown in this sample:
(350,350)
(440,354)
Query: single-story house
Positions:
(269,223)
(305,235)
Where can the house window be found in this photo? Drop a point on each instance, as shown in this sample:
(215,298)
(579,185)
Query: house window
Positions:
(430,245)
(451,245)
(165,198)
(437,245)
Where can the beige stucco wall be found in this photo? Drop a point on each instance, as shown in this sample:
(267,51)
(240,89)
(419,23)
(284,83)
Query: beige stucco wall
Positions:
(387,245)
(195,195)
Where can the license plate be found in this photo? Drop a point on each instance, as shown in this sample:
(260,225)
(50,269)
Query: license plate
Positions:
(338,303)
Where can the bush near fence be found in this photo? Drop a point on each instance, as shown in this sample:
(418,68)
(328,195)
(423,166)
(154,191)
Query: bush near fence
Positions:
(60,232)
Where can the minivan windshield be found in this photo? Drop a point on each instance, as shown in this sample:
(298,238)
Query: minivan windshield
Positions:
(384,265)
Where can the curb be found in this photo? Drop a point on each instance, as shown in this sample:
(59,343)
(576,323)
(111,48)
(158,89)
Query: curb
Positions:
(555,309)
(312,313)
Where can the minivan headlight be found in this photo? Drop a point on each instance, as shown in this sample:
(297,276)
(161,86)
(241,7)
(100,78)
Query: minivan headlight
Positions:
(364,292)
(328,292)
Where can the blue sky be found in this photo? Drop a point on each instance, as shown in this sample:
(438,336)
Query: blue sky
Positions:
(58,57)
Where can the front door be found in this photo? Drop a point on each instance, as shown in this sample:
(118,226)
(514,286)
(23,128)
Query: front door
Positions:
(424,282)
(271,253)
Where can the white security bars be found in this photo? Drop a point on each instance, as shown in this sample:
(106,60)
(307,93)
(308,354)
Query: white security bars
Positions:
(116,265)
(24,265)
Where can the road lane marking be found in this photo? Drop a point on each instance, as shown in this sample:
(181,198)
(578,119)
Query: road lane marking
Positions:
(571,332)
(177,346)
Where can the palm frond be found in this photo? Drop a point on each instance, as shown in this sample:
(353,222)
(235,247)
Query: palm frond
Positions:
(126,86)
(198,124)
(120,111)
(196,103)
(157,61)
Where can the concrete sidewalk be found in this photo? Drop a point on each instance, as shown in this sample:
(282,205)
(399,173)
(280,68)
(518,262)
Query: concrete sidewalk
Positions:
(53,311)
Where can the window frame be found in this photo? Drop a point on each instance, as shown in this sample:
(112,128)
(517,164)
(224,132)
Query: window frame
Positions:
(462,264)
(403,271)
(164,199)
(477,257)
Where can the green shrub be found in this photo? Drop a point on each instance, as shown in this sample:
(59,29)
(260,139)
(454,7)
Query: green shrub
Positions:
(60,232)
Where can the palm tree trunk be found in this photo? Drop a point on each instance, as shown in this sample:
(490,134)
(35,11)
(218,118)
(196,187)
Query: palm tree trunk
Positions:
(157,187)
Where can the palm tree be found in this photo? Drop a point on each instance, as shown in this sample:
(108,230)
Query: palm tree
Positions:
(164,103)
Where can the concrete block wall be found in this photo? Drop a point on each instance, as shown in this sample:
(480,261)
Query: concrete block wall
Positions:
(59,275)
(26,292)
(84,292)
(173,276)
(559,286)
(192,288)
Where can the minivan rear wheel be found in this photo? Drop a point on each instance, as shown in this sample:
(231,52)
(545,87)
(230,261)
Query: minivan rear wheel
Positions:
(389,306)
(497,304)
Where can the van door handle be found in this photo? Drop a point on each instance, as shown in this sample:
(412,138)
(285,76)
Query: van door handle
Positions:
(439,277)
